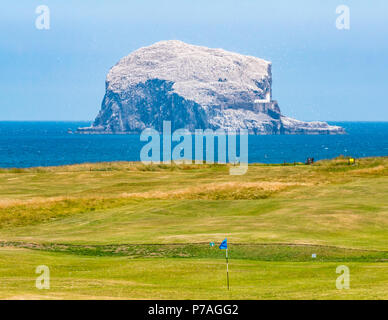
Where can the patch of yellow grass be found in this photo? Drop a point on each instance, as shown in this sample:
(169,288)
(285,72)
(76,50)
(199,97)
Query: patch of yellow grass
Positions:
(111,166)
(226,190)
(374,170)
(6,203)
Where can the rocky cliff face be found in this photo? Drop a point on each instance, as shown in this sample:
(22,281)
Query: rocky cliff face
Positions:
(195,88)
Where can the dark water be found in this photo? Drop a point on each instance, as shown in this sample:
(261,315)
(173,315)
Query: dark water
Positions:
(28,144)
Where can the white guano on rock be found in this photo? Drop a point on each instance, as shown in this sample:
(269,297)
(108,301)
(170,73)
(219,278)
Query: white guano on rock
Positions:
(194,87)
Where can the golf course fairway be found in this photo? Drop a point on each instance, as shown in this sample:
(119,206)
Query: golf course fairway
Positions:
(133,231)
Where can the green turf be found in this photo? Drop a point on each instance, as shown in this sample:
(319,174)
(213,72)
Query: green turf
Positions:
(82,277)
(160,217)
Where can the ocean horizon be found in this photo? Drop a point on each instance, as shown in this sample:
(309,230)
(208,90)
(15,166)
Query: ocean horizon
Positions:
(26,144)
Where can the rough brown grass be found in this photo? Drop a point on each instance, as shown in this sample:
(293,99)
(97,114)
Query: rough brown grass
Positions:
(214,191)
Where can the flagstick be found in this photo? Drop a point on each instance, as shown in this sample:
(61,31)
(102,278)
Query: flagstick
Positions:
(227,268)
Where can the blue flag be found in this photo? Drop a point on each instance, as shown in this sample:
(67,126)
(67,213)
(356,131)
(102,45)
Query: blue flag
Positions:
(224,244)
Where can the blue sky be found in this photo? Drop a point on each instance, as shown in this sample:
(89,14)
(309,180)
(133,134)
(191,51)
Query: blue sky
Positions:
(319,72)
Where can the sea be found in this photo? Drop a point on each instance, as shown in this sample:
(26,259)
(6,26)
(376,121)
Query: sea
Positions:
(33,144)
